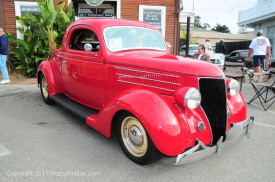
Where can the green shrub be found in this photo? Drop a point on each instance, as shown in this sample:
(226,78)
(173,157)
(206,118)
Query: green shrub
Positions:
(43,33)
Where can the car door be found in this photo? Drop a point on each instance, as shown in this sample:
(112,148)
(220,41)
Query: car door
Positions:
(82,71)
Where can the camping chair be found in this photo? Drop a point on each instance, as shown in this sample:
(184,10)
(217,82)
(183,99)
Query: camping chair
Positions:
(262,88)
(235,70)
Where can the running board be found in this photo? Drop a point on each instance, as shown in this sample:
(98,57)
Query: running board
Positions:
(80,111)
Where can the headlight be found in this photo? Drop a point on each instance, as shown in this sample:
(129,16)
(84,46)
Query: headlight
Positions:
(233,87)
(192,98)
(189,98)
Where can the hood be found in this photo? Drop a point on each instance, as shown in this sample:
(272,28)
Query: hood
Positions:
(162,61)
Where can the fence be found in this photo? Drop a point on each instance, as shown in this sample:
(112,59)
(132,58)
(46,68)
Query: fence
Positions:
(232,46)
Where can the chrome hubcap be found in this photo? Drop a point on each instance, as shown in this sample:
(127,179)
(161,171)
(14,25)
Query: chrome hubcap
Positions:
(134,136)
(44,86)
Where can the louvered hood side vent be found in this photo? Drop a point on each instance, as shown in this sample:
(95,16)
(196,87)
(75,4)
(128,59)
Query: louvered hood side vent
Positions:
(148,79)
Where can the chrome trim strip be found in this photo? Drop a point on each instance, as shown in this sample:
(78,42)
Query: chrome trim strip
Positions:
(145,85)
(148,79)
(146,72)
(193,155)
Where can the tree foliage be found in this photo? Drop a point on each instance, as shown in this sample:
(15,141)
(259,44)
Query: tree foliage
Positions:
(221,28)
(242,30)
(42,34)
(183,35)
(197,23)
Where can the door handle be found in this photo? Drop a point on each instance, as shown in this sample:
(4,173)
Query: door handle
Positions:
(64,61)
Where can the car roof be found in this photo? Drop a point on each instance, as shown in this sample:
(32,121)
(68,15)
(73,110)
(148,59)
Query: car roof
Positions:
(102,23)
(241,50)
(192,45)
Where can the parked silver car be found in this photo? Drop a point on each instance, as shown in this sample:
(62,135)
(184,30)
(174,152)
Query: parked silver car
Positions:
(216,58)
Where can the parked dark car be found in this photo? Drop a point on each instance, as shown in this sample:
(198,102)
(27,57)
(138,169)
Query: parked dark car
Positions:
(238,56)
(241,55)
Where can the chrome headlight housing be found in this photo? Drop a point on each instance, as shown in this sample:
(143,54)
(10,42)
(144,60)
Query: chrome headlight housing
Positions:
(188,97)
(233,87)
(192,98)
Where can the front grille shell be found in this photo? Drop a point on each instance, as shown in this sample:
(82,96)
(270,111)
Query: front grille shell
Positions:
(214,104)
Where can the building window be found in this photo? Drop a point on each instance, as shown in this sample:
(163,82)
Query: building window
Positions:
(155,15)
(22,8)
(271,36)
(271,31)
(29,9)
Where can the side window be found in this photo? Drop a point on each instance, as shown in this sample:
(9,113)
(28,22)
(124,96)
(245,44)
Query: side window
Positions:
(82,37)
(234,54)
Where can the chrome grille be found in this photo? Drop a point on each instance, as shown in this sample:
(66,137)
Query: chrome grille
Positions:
(147,79)
(213,92)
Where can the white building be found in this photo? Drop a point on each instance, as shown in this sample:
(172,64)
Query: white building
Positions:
(261,16)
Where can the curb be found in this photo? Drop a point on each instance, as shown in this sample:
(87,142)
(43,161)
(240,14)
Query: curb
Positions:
(20,81)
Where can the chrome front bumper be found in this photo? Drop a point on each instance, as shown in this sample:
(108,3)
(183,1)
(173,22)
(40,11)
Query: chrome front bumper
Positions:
(193,155)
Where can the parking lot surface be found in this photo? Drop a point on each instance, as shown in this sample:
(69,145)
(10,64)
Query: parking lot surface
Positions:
(39,142)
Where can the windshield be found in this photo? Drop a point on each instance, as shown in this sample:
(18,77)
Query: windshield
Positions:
(124,38)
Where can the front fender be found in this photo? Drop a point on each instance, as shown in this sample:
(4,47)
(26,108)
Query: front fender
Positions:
(238,109)
(236,106)
(47,69)
(163,122)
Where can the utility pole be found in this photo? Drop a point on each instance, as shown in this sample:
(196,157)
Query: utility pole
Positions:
(178,8)
(193,5)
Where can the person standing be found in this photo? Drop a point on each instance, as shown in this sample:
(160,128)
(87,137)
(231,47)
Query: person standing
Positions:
(221,47)
(207,44)
(3,57)
(260,46)
(201,54)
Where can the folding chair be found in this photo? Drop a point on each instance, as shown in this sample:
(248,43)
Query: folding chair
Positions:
(262,88)
(235,70)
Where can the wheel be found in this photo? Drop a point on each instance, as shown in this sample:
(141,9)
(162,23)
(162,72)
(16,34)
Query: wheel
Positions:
(44,90)
(135,141)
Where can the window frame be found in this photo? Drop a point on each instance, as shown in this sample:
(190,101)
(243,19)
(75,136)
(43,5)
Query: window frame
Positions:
(17,7)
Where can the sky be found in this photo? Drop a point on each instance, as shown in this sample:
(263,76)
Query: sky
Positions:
(219,11)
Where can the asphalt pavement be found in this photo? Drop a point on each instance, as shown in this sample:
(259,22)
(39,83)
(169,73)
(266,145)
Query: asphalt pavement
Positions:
(39,142)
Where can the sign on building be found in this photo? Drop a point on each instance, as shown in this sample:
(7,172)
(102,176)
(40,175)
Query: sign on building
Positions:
(155,15)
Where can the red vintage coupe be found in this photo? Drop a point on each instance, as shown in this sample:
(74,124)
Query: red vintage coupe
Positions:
(118,76)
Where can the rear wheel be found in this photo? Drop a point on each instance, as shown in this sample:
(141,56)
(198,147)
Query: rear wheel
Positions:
(135,141)
(45,90)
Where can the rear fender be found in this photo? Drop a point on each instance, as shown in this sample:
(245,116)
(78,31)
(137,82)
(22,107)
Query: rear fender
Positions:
(163,122)
(46,68)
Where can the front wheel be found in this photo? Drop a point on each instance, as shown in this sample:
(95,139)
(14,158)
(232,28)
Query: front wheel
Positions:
(45,90)
(135,141)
